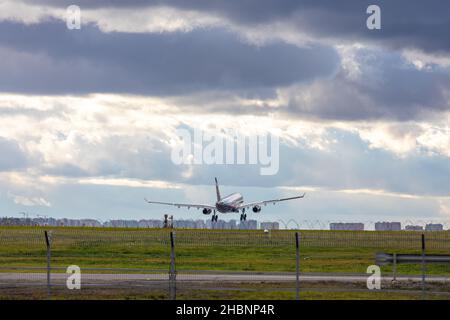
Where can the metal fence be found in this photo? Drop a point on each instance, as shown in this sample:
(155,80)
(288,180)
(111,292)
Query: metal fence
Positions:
(217,264)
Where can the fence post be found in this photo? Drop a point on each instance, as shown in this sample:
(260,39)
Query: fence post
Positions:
(297,267)
(48,243)
(423,266)
(394,271)
(172,269)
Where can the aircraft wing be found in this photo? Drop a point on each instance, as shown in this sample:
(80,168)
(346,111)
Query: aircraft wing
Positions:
(186,205)
(265,202)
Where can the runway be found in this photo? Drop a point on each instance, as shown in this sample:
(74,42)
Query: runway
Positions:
(8,277)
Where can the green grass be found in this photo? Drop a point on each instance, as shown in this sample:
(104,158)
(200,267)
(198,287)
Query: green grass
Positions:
(221,250)
(252,250)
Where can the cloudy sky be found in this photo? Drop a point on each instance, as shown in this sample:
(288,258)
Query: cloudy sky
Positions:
(88,117)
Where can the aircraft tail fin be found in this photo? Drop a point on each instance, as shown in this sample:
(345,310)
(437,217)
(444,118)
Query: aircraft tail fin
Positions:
(217,190)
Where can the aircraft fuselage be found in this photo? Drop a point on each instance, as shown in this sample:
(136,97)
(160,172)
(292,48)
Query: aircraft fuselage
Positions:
(230,203)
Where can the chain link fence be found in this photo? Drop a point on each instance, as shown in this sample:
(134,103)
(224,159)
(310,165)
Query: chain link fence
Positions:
(217,264)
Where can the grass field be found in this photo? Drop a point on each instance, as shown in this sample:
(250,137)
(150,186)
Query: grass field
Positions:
(217,250)
(238,250)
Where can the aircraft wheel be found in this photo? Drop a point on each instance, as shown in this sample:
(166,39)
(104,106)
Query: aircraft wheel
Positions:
(245,217)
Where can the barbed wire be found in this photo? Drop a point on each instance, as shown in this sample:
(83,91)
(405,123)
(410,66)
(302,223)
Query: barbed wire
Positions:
(289,224)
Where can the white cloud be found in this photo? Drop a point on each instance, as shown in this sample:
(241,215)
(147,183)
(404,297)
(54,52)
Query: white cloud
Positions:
(436,139)
(77,129)
(422,60)
(88,131)
(26,13)
(363,191)
(133,183)
(400,139)
(29,201)
(444,207)
(406,138)
(150,19)
(350,62)
(156,19)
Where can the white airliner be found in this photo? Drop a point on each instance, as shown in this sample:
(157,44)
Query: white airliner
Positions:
(231,203)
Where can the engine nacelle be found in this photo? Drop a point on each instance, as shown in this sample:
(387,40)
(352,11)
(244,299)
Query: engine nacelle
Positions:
(207,211)
(256,209)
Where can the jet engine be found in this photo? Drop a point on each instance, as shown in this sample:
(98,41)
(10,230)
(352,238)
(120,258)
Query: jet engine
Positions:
(256,209)
(207,211)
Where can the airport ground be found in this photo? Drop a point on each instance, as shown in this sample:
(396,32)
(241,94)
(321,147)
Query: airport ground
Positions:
(311,290)
(124,252)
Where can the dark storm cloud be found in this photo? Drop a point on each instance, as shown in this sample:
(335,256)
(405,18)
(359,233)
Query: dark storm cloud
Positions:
(387,87)
(49,58)
(383,86)
(405,24)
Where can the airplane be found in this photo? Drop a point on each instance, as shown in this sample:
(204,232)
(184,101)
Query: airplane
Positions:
(231,203)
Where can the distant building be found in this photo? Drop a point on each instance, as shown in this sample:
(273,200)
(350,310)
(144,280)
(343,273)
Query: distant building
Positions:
(90,223)
(69,222)
(388,226)
(249,225)
(269,226)
(220,224)
(414,228)
(200,224)
(232,224)
(351,226)
(188,224)
(434,227)
(153,223)
(123,224)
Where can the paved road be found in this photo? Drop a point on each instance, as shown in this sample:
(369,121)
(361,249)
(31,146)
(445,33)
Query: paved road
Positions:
(9,277)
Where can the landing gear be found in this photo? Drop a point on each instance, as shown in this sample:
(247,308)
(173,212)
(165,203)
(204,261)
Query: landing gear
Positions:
(214,217)
(243,215)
